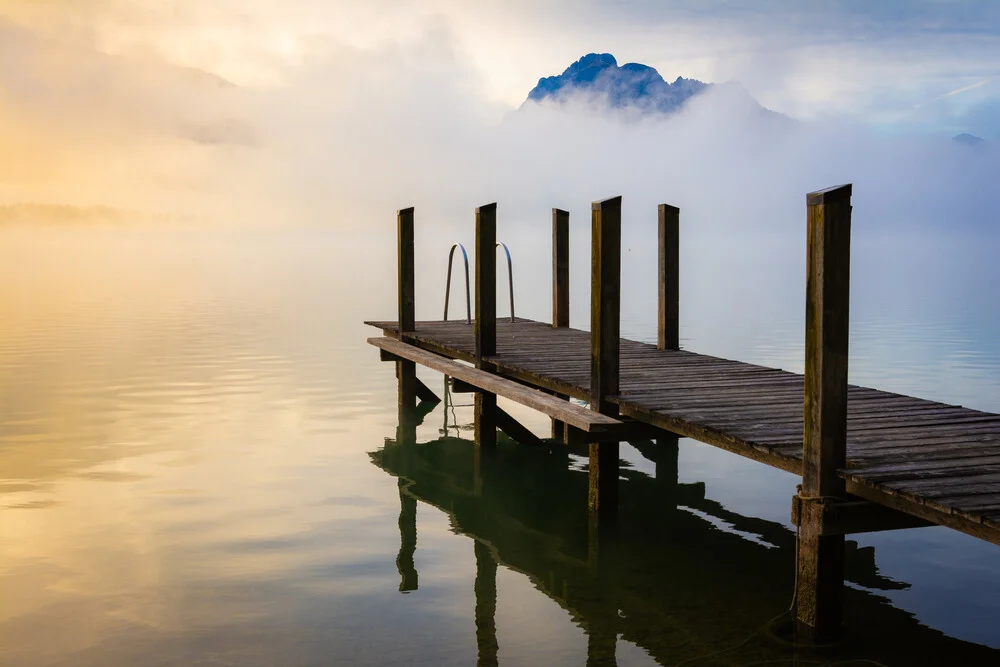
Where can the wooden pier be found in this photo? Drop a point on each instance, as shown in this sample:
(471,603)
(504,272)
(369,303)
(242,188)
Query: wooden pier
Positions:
(869,459)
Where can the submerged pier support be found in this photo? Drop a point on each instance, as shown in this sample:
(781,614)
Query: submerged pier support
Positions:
(821,556)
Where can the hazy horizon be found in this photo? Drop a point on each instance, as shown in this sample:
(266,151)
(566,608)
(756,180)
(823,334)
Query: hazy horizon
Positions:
(326,113)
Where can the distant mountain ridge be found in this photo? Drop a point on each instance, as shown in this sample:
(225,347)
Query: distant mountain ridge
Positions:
(967,139)
(630,85)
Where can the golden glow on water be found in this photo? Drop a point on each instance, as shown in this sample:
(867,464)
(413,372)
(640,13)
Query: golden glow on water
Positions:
(198,463)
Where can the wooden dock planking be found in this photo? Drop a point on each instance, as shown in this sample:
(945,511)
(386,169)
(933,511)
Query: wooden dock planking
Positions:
(932,460)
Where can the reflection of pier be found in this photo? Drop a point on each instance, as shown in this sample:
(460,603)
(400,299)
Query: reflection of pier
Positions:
(668,581)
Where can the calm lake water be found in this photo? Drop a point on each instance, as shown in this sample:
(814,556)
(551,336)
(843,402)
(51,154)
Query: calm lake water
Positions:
(199,465)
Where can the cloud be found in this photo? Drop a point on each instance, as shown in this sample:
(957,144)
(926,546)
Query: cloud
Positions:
(350,133)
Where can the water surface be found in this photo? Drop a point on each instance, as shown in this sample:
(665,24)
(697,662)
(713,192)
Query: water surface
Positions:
(200,465)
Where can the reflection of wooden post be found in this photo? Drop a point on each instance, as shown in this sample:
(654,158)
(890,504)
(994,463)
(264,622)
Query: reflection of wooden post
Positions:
(602,643)
(605,307)
(668,292)
(407,541)
(667,453)
(406,371)
(486,606)
(821,557)
(560,287)
(603,624)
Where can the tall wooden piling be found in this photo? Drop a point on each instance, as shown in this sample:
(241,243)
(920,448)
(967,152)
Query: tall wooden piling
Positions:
(406,371)
(560,268)
(821,557)
(605,310)
(668,268)
(485,328)
(560,288)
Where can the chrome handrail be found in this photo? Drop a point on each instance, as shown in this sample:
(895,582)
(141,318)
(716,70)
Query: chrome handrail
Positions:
(510,276)
(447,288)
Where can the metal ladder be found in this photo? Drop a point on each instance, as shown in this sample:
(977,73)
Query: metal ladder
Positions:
(468,297)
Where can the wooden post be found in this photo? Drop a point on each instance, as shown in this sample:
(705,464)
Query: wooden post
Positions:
(486,606)
(821,557)
(668,292)
(406,371)
(486,319)
(560,288)
(605,308)
(560,268)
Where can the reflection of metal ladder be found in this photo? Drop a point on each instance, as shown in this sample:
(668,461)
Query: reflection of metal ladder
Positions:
(468,297)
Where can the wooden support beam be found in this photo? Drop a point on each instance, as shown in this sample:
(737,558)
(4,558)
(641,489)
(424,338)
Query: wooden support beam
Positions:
(559,428)
(406,371)
(462,387)
(515,429)
(485,328)
(821,556)
(425,394)
(668,291)
(593,423)
(847,517)
(605,310)
(627,430)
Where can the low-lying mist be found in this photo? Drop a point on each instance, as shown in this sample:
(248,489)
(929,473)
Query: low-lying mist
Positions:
(351,135)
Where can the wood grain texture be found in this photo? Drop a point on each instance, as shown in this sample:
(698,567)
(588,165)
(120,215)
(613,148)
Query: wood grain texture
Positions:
(828,234)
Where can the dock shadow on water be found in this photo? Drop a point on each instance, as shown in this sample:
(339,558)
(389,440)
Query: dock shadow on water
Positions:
(667,579)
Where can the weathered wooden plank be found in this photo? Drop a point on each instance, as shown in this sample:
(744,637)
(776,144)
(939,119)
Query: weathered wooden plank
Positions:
(579,417)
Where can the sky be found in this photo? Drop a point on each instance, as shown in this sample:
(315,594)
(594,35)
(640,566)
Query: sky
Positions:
(924,64)
(148,104)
